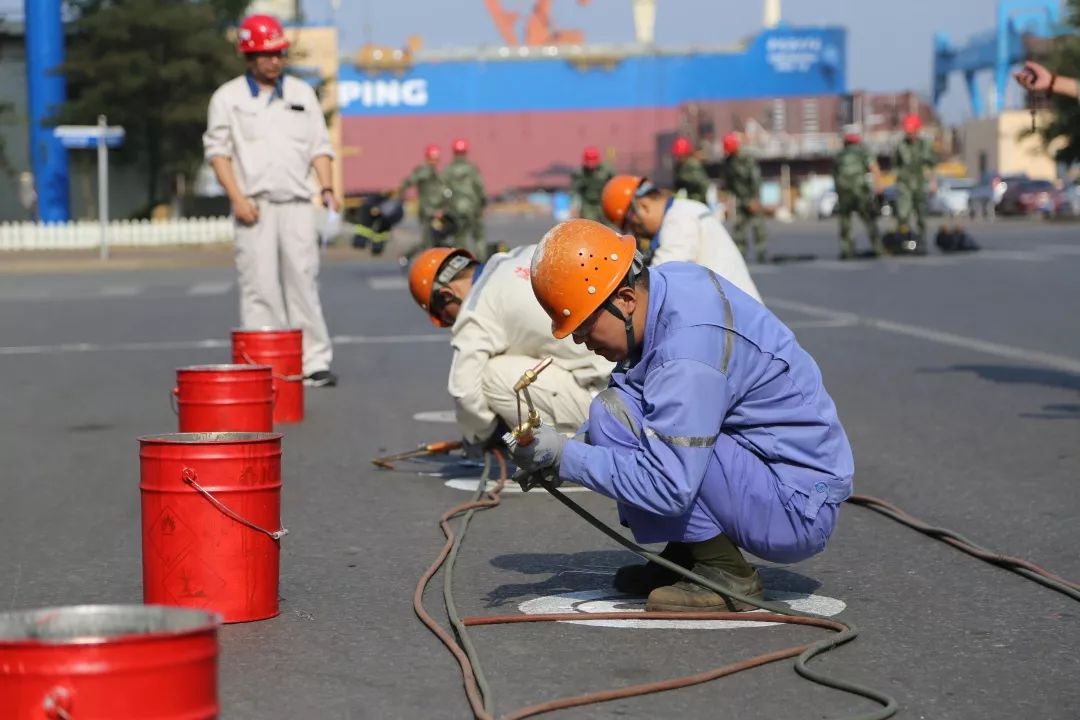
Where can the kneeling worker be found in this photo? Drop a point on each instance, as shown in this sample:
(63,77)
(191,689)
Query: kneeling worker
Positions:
(498,331)
(680,229)
(715,433)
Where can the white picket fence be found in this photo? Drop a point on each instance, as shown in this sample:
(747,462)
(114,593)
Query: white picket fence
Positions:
(122,233)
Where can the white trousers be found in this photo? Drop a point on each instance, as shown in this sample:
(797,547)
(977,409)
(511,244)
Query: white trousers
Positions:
(558,397)
(277,260)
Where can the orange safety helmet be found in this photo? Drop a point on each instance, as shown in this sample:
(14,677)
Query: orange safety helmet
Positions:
(590,158)
(681,148)
(425,272)
(618,193)
(577,265)
(460,146)
(261,33)
(731,143)
(912,123)
(431,152)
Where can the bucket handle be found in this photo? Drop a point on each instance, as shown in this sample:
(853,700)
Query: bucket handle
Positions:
(189,475)
(57,703)
(286,378)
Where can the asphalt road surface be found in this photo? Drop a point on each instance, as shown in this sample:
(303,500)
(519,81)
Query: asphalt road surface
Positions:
(957,378)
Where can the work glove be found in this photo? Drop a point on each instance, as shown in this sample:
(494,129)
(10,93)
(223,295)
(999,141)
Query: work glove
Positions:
(475,447)
(472,449)
(528,481)
(545,451)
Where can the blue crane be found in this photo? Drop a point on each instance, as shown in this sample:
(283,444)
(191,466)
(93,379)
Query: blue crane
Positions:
(997,50)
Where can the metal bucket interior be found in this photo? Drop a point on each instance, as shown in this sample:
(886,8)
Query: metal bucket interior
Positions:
(100,623)
(224,367)
(211,438)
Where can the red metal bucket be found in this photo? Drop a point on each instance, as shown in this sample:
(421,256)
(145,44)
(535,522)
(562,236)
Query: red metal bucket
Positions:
(211,522)
(282,350)
(108,662)
(212,398)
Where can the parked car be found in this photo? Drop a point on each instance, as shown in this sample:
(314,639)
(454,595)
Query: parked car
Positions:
(1072,199)
(984,198)
(952,197)
(1031,197)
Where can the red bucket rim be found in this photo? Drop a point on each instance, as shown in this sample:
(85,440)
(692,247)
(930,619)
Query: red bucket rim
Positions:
(266,330)
(225,367)
(100,624)
(210,438)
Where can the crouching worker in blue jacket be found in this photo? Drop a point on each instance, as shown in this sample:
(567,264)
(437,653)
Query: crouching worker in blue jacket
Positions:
(715,432)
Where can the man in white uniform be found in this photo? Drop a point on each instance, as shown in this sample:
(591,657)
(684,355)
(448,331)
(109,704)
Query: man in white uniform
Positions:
(679,229)
(498,331)
(265,133)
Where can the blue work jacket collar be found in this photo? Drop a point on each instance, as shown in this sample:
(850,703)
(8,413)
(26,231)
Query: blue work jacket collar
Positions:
(253,86)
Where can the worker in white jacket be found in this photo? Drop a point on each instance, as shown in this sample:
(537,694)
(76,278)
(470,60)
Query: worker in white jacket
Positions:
(678,229)
(498,331)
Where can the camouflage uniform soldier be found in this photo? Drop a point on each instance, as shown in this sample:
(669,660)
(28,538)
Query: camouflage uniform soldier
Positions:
(691,179)
(587,183)
(742,178)
(911,160)
(854,194)
(429,191)
(466,200)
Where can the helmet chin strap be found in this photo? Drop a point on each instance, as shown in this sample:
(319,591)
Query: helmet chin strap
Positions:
(636,267)
(628,321)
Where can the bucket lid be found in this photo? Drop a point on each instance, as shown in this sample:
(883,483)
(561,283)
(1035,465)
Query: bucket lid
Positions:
(211,438)
(91,624)
(225,367)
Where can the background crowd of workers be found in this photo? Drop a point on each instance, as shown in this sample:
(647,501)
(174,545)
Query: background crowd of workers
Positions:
(451,201)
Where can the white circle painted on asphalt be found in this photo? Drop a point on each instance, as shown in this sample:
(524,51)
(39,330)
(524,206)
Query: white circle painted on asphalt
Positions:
(473,484)
(586,602)
(435,416)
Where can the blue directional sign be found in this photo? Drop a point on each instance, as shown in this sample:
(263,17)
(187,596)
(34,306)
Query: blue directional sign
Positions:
(85,137)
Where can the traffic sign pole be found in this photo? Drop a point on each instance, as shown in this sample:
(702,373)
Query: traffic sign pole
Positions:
(102,137)
(103,185)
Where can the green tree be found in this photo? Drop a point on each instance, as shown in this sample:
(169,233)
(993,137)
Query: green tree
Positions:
(150,66)
(1065,60)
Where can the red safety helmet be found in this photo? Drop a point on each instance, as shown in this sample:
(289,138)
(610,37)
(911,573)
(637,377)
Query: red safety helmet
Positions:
(261,33)
(431,152)
(460,146)
(681,148)
(852,137)
(731,143)
(912,123)
(590,158)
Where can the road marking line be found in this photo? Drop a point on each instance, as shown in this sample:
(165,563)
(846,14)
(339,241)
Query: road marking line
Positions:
(199,344)
(388,282)
(120,290)
(511,488)
(210,288)
(1059,362)
(436,416)
(1061,249)
(587,602)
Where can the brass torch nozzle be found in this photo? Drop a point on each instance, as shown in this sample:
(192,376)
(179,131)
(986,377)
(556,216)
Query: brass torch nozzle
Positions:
(529,376)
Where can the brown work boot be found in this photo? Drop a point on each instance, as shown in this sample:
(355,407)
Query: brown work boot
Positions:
(717,560)
(641,579)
